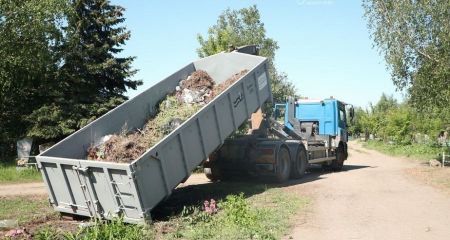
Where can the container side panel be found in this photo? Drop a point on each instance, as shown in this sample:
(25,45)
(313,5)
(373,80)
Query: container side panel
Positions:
(224,117)
(59,186)
(66,187)
(171,154)
(107,201)
(191,142)
(150,181)
(123,186)
(223,65)
(210,131)
(250,92)
(74,188)
(262,81)
(239,108)
(50,171)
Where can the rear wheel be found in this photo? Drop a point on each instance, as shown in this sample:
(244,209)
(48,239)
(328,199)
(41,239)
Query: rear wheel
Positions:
(300,163)
(213,173)
(211,168)
(338,163)
(283,165)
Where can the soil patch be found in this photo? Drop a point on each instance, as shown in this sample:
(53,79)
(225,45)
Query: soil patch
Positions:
(437,177)
(198,80)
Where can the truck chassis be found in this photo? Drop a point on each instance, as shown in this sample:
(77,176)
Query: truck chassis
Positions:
(270,151)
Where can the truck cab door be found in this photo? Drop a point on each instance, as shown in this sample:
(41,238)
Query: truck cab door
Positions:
(342,122)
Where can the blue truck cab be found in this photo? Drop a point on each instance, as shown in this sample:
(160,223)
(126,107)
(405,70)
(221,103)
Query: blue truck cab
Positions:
(326,117)
(314,121)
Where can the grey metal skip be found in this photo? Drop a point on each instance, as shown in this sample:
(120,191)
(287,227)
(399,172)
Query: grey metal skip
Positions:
(106,190)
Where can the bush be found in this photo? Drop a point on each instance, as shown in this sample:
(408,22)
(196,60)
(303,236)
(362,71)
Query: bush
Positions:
(423,152)
(100,230)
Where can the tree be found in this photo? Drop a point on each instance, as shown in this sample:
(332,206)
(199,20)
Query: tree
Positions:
(92,79)
(30,32)
(397,122)
(414,37)
(386,103)
(244,27)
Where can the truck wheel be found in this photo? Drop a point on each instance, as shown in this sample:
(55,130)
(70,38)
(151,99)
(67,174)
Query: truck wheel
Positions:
(283,165)
(338,163)
(300,164)
(211,167)
(213,173)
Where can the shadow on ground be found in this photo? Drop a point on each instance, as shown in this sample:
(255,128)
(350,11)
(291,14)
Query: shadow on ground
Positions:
(194,195)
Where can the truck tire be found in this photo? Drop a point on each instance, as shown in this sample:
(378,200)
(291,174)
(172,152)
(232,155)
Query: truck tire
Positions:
(338,163)
(211,168)
(212,173)
(300,164)
(283,165)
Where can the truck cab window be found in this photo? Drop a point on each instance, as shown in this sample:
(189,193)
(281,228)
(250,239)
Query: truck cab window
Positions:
(342,120)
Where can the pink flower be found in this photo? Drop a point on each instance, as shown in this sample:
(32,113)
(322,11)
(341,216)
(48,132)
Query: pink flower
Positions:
(210,207)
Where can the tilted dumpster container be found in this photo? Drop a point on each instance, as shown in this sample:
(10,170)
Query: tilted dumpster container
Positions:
(106,189)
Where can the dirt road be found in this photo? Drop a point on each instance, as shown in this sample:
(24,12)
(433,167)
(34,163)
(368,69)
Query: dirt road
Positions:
(22,189)
(373,198)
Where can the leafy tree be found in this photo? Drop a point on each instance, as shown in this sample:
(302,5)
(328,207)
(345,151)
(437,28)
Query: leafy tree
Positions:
(30,32)
(385,103)
(244,27)
(397,126)
(360,122)
(414,37)
(92,79)
(397,122)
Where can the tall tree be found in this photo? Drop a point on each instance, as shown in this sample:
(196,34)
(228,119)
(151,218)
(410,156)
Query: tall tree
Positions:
(30,32)
(92,78)
(414,37)
(244,27)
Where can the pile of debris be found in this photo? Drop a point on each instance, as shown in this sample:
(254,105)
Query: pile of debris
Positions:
(190,95)
(196,88)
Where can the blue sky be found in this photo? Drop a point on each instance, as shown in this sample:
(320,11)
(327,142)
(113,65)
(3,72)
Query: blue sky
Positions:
(325,47)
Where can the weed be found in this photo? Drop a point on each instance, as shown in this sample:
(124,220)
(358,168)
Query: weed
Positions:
(25,209)
(262,216)
(421,152)
(115,229)
(47,233)
(237,210)
(9,174)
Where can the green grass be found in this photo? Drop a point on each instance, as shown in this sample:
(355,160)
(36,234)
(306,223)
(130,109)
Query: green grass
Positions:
(263,216)
(100,230)
(258,212)
(9,174)
(25,209)
(415,151)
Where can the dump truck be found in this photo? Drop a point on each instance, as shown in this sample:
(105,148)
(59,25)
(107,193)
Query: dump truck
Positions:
(105,190)
(300,133)
(308,133)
